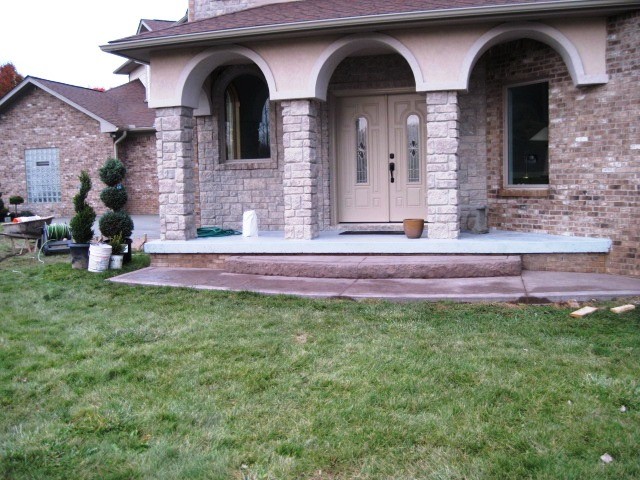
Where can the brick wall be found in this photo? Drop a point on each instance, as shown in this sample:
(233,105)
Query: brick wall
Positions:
(40,120)
(594,173)
(138,153)
(199,9)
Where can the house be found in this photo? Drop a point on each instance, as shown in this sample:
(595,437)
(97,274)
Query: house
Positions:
(328,114)
(51,131)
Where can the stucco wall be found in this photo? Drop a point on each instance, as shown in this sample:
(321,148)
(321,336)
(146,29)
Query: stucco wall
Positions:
(39,120)
(594,171)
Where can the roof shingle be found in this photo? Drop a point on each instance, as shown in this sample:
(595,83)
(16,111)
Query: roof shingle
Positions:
(317,10)
(123,106)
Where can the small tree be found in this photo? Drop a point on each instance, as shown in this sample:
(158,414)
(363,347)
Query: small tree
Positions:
(116,221)
(15,201)
(82,223)
(9,78)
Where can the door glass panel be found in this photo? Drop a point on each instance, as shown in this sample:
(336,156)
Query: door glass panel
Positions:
(413,141)
(361,150)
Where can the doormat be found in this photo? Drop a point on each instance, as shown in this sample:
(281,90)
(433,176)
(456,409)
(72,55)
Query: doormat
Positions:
(371,232)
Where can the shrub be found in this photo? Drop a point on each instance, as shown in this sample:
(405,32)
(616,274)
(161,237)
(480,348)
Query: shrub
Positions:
(114,223)
(114,198)
(82,223)
(112,172)
(15,201)
(3,211)
(22,213)
(116,244)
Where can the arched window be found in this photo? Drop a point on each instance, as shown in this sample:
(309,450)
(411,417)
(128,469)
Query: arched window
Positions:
(246,122)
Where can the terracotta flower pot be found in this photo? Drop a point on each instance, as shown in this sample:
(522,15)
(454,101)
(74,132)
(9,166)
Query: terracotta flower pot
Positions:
(413,227)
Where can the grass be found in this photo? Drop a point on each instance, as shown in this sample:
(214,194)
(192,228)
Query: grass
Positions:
(99,380)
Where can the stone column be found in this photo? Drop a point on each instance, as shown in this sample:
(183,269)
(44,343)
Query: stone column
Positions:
(443,116)
(300,131)
(176,184)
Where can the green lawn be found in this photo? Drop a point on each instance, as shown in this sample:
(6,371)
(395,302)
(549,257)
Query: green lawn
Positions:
(109,381)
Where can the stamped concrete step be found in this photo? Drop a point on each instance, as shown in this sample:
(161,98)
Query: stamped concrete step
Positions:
(376,266)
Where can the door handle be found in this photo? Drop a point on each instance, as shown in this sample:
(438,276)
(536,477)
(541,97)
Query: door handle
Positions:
(392,168)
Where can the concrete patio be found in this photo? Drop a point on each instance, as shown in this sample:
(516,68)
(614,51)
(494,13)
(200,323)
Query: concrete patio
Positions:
(332,242)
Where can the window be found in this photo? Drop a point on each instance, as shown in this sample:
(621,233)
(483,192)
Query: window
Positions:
(43,175)
(413,145)
(361,150)
(528,134)
(246,123)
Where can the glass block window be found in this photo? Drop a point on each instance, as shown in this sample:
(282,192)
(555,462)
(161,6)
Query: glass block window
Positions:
(361,150)
(43,175)
(413,145)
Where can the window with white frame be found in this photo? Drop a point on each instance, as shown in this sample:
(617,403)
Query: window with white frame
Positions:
(528,135)
(43,175)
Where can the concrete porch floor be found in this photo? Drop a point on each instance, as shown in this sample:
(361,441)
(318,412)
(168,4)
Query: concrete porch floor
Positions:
(331,242)
(531,287)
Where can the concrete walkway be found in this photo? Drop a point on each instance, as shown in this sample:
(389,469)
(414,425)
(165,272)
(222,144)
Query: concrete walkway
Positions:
(532,287)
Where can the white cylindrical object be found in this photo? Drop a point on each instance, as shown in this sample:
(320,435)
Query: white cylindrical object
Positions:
(250,224)
(116,262)
(99,256)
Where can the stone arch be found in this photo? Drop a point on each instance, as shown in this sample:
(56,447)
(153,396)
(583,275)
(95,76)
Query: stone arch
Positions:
(535,31)
(340,49)
(196,71)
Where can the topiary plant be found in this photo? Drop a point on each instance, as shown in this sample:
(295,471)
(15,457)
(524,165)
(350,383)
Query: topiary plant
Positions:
(116,223)
(82,223)
(15,201)
(114,198)
(112,172)
(116,220)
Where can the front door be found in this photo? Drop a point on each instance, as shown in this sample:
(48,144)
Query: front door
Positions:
(380,158)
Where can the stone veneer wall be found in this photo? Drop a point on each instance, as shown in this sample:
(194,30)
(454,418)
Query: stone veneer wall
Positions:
(138,153)
(473,148)
(594,172)
(199,9)
(228,189)
(40,120)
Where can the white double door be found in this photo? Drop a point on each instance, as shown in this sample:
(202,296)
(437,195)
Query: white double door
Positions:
(381,147)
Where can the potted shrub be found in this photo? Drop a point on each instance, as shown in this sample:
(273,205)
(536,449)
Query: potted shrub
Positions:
(116,221)
(81,225)
(115,263)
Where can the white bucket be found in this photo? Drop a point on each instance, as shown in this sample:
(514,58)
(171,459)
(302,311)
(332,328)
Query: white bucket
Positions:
(116,262)
(99,257)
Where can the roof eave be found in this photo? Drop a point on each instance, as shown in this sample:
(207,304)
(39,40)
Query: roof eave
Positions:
(140,47)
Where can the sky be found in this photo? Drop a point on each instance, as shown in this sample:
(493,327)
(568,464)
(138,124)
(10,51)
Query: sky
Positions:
(60,39)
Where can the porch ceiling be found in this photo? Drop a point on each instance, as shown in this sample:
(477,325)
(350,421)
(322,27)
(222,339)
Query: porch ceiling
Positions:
(331,242)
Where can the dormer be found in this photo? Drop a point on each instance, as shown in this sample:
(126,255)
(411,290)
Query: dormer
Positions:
(200,9)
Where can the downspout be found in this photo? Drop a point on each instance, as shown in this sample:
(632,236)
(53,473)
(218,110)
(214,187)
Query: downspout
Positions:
(116,142)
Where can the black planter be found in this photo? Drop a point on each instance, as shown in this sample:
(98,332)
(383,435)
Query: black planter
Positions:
(53,247)
(127,254)
(79,255)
